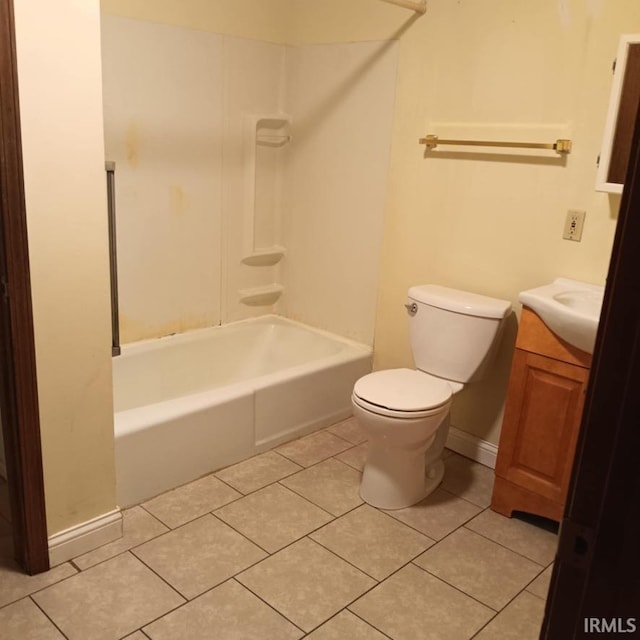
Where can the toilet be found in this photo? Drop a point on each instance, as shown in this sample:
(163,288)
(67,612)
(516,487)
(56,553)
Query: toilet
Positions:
(405,412)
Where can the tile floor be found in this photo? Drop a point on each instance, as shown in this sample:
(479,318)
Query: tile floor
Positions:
(282,547)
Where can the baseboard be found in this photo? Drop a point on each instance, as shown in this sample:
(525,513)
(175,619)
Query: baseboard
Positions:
(85,537)
(472,447)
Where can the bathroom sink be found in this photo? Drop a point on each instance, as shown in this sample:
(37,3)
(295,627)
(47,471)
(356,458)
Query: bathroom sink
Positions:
(570,308)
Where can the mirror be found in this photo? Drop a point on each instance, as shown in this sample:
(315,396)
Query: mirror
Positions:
(623,106)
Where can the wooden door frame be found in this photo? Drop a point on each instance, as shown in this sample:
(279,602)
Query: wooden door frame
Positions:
(597,567)
(18,385)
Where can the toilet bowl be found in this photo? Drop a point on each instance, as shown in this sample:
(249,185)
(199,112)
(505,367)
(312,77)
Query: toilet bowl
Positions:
(405,412)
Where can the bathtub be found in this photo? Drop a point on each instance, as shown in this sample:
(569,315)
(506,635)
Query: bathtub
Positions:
(190,404)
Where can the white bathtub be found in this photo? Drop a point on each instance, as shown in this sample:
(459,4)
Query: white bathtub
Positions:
(190,404)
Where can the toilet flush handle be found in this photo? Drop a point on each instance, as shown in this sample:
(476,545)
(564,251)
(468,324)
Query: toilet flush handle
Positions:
(412,308)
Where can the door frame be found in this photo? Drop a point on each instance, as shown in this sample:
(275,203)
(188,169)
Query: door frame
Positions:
(18,384)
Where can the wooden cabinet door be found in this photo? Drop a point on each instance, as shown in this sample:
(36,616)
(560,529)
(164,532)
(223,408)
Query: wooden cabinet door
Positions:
(541,423)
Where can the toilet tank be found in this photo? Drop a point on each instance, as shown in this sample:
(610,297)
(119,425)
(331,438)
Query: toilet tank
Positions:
(454,334)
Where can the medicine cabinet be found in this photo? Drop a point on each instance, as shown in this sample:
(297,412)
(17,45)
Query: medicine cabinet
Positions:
(621,117)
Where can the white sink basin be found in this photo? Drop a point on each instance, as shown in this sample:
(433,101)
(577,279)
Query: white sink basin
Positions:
(570,308)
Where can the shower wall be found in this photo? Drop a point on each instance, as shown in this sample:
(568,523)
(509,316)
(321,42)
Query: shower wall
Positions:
(164,129)
(250,177)
(343,97)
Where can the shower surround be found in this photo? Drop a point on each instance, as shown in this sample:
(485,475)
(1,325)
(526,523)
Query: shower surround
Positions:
(250,184)
(226,147)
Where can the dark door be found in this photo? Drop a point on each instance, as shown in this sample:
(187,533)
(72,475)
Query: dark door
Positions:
(595,586)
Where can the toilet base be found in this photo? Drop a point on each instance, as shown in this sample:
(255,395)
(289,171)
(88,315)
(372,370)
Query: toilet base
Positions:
(396,480)
(434,477)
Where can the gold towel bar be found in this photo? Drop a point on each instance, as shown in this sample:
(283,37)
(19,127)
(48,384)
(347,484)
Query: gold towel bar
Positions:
(560,146)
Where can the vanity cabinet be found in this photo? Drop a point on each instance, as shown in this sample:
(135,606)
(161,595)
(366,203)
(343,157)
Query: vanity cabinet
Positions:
(542,416)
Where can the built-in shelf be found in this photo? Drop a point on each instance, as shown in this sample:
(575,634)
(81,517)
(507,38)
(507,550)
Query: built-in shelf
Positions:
(261,296)
(266,130)
(265,257)
(272,140)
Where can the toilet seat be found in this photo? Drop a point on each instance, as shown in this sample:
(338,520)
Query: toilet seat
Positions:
(402,393)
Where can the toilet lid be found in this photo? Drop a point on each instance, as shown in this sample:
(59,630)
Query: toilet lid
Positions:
(403,390)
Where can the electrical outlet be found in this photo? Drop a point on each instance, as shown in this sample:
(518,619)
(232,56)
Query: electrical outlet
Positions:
(573,225)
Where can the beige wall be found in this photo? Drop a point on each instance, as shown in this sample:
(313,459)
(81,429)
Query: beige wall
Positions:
(257,19)
(58,48)
(493,224)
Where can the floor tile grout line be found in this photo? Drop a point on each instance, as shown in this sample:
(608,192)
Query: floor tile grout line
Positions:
(309,435)
(268,484)
(532,581)
(189,601)
(459,590)
(500,544)
(351,564)
(397,520)
(457,495)
(477,633)
(280,613)
(154,516)
(313,504)
(48,617)
(334,518)
(248,539)
(157,618)
(212,513)
(353,613)
(359,469)
(323,508)
(28,594)
(378,580)
(337,613)
(288,475)
(204,513)
(404,566)
(217,584)
(333,433)
(135,546)
(212,474)
(462,524)
(317,462)
(306,535)
(130,552)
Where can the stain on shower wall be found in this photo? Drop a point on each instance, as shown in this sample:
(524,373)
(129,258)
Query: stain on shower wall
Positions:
(248,180)
(164,130)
